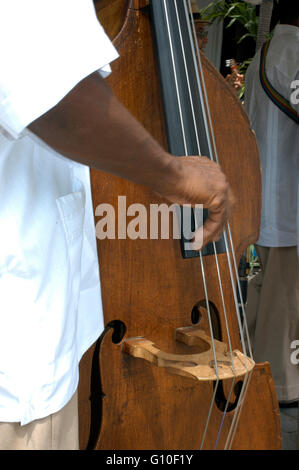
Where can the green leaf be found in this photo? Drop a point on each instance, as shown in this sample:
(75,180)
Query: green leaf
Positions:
(231,22)
(244,37)
(229,10)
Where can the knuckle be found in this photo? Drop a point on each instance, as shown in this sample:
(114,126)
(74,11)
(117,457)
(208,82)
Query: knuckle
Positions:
(219,201)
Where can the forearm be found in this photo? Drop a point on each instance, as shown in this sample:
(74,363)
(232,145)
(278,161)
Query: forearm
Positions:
(92,127)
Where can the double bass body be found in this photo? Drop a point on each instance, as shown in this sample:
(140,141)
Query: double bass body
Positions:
(150,291)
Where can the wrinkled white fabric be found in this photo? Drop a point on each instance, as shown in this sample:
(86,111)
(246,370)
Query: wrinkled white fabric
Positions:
(50,300)
(278,137)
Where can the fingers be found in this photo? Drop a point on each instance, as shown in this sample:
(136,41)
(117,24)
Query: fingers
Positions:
(201,181)
(211,230)
(214,226)
(219,201)
(219,213)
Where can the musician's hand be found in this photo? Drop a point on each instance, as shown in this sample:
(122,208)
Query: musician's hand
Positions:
(108,138)
(198,180)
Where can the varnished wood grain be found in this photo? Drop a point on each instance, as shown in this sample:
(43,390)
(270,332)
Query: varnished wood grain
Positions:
(148,286)
(112,14)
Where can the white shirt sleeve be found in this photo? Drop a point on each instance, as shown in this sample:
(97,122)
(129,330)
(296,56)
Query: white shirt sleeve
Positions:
(46,49)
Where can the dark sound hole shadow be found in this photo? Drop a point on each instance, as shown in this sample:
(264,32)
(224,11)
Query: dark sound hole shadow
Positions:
(199,316)
(96,391)
(221,399)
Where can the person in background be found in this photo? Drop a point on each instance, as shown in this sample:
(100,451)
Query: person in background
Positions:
(201,26)
(273,294)
(201,32)
(236,80)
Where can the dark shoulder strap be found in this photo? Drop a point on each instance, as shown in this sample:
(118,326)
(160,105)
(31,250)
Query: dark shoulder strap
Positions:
(279,100)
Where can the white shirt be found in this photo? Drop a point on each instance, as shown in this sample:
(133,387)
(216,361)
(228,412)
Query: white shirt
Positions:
(50,300)
(277,137)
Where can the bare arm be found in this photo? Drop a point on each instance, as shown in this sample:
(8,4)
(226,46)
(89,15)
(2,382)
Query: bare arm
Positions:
(92,127)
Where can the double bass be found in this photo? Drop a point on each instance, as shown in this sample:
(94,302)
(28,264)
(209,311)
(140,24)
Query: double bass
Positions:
(173,368)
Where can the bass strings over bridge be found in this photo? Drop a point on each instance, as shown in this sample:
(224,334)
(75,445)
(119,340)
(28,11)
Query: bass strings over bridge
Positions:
(212,364)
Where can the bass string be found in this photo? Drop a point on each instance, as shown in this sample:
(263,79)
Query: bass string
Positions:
(214,245)
(218,275)
(247,375)
(232,251)
(201,261)
(213,150)
(183,132)
(247,379)
(237,413)
(186,151)
(198,147)
(245,325)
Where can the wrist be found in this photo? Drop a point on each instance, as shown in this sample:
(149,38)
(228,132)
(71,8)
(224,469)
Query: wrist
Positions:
(169,176)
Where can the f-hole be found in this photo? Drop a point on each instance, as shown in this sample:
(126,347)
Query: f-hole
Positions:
(221,400)
(199,316)
(96,392)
